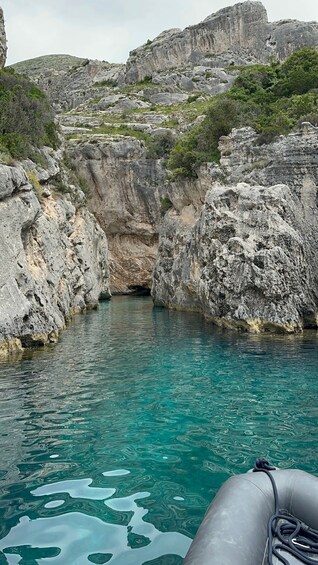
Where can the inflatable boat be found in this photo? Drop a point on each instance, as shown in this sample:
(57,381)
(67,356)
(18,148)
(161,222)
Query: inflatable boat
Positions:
(269,517)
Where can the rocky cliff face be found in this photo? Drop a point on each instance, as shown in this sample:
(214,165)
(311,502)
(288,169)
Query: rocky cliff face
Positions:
(3,41)
(70,81)
(244,263)
(292,160)
(257,238)
(247,259)
(237,35)
(286,36)
(54,261)
(223,38)
(201,58)
(125,190)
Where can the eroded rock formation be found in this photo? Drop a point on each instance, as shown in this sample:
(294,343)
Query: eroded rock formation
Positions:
(201,58)
(237,35)
(53,262)
(228,34)
(125,190)
(247,259)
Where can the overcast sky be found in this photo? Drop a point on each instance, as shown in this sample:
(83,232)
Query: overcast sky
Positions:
(109,29)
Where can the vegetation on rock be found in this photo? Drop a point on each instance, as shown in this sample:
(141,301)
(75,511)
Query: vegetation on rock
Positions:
(272,99)
(60,63)
(26,118)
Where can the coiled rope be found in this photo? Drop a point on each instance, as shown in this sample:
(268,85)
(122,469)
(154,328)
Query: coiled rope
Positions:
(295,537)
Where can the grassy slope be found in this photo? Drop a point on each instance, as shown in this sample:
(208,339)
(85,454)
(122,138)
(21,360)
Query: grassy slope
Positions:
(41,64)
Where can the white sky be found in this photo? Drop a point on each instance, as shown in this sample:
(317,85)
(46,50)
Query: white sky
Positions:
(109,29)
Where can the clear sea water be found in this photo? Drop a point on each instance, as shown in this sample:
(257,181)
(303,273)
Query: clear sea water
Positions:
(115,440)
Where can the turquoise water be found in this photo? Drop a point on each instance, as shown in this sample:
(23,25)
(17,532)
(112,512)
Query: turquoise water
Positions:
(114,441)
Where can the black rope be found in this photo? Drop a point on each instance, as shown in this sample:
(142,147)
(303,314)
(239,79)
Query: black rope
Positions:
(295,537)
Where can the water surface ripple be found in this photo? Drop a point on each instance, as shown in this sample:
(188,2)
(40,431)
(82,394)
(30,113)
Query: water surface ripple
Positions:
(114,441)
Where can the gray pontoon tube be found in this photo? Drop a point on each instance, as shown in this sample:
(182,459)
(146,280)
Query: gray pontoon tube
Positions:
(234,529)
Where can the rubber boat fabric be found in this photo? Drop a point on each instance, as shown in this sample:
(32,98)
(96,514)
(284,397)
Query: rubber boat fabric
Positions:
(265,517)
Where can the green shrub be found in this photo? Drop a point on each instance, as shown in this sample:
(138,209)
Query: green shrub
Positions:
(147,79)
(35,183)
(107,82)
(200,144)
(160,144)
(299,73)
(60,185)
(193,97)
(83,184)
(26,118)
(272,99)
(166,204)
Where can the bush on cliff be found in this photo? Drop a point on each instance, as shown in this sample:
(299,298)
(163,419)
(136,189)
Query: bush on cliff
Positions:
(26,118)
(272,99)
(200,144)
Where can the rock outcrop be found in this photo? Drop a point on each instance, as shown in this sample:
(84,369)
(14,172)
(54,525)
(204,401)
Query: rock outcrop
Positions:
(286,36)
(248,258)
(3,41)
(219,232)
(244,159)
(53,261)
(125,191)
(84,81)
(237,35)
(244,263)
(292,160)
(200,58)
(221,39)
(71,81)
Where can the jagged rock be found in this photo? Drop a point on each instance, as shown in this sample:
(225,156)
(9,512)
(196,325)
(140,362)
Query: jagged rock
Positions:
(50,166)
(185,193)
(227,33)
(12,179)
(244,262)
(262,235)
(80,121)
(125,190)
(3,41)
(237,35)
(244,159)
(68,86)
(53,263)
(201,58)
(286,36)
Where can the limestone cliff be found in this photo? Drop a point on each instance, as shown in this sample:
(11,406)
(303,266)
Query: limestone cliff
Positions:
(292,160)
(247,259)
(125,190)
(3,41)
(234,33)
(257,238)
(53,260)
(244,263)
(200,58)
(237,35)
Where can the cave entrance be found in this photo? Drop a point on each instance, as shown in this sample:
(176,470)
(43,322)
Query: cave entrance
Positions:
(137,290)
